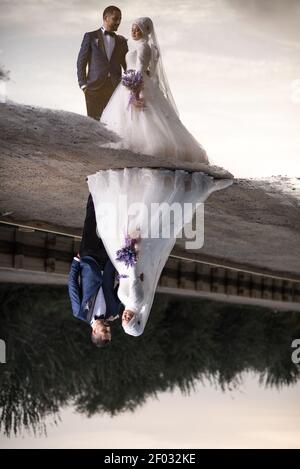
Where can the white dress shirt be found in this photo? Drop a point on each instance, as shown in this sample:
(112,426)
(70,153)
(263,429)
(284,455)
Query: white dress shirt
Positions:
(109,43)
(100,308)
(100,305)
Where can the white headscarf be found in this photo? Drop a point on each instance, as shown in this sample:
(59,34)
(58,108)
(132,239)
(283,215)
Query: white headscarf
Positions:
(134,326)
(145,24)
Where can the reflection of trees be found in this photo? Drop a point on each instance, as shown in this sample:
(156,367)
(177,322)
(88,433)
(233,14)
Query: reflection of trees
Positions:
(51,361)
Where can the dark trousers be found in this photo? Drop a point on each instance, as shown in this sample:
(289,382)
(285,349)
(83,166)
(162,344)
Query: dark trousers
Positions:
(97,99)
(90,244)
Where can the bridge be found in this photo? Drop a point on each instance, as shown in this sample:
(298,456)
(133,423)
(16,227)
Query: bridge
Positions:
(34,255)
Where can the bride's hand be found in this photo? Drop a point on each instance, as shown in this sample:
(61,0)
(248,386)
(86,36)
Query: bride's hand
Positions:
(139,103)
(138,100)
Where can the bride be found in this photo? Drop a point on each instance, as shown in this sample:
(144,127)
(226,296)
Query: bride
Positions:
(133,205)
(147,120)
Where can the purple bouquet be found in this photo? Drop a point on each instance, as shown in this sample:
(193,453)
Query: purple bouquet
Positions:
(133,80)
(128,254)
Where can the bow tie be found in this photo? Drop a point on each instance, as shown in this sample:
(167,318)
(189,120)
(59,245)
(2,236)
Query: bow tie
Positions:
(110,33)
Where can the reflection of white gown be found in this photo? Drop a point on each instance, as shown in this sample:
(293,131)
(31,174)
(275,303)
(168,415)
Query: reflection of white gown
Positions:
(145,186)
(155,130)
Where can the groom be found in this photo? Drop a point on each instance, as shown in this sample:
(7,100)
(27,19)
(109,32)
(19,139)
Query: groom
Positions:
(94,298)
(103,51)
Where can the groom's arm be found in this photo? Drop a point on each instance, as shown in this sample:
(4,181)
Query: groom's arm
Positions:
(83,60)
(109,273)
(110,293)
(124,52)
(73,285)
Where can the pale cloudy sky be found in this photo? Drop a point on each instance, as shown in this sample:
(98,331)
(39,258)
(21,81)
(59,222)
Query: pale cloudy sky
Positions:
(249,417)
(233,68)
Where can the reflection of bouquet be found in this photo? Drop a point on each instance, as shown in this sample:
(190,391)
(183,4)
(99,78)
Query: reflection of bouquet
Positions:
(129,252)
(133,80)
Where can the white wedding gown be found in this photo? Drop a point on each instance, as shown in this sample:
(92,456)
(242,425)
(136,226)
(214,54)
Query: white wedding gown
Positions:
(114,192)
(155,130)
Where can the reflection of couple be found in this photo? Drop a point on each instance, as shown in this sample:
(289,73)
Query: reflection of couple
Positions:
(141,110)
(92,284)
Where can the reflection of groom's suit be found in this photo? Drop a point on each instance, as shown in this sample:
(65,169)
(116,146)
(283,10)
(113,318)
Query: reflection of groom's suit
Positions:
(95,270)
(104,54)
